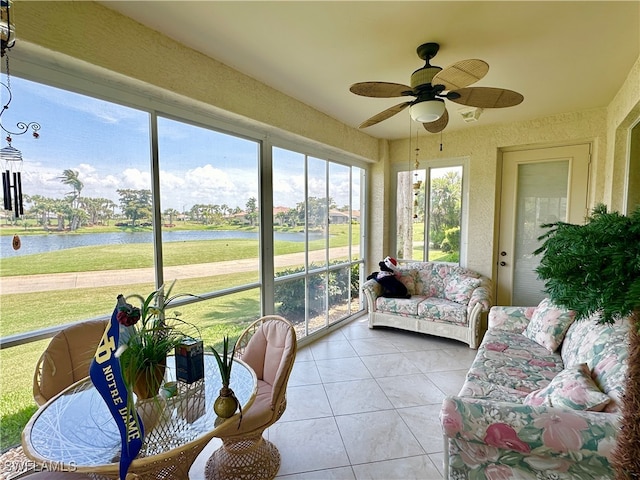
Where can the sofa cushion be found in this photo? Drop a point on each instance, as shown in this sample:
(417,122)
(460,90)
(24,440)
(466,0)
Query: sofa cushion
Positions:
(441,310)
(459,288)
(400,306)
(549,324)
(573,388)
(513,362)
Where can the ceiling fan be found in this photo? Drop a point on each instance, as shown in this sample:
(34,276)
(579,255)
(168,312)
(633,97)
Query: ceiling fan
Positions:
(431,85)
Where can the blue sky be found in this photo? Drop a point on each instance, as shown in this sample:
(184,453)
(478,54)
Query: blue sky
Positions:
(108,145)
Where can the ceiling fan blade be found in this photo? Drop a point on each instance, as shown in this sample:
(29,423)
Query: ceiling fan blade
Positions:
(488,97)
(389,112)
(461,74)
(381,89)
(438,125)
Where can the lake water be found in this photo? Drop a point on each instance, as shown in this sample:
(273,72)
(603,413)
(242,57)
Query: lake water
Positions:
(50,242)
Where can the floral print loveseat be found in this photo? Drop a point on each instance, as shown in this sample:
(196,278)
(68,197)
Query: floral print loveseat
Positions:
(446,300)
(541,399)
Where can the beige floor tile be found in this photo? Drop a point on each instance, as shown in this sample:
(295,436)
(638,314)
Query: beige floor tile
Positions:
(425,425)
(342,370)
(356,396)
(373,346)
(389,365)
(449,382)
(308,445)
(375,436)
(306,402)
(304,373)
(411,341)
(336,349)
(411,468)
(411,390)
(437,361)
(438,461)
(304,354)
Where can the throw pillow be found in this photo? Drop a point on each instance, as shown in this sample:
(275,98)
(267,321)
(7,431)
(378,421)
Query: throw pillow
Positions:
(459,289)
(549,324)
(408,278)
(572,388)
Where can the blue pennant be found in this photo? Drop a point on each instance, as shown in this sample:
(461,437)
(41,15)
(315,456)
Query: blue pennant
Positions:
(106,375)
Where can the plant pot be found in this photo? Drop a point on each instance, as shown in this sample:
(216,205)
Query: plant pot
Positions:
(149,381)
(226,404)
(151,411)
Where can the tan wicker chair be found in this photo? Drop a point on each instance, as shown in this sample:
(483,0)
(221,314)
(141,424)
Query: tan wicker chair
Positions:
(67,359)
(269,347)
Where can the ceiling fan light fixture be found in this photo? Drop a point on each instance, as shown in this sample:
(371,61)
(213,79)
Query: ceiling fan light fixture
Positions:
(427,111)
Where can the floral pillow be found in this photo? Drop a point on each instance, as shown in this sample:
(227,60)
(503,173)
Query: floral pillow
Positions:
(459,289)
(549,324)
(572,388)
(408,278)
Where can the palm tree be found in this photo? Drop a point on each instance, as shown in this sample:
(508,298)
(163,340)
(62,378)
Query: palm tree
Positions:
(71,177)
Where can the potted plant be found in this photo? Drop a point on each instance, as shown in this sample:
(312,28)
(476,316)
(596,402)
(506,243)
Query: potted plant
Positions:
(147,335)
(226,404)
(596,268)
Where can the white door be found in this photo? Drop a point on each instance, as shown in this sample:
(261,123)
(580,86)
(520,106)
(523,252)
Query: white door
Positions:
(538,187)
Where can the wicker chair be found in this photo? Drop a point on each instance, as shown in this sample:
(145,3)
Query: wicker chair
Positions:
(67,359)
(269,347)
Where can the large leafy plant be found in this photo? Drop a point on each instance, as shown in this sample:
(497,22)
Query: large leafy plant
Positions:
(596,268)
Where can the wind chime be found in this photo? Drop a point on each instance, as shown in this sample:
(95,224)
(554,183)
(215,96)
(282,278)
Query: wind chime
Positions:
(417,183)
(10,156)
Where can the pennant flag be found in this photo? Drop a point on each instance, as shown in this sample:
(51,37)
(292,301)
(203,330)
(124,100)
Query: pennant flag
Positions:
(106,376)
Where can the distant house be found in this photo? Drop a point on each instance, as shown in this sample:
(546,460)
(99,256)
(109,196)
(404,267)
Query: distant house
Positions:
(336,217)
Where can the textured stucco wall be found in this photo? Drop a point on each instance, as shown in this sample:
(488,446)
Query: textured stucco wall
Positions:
(482,145)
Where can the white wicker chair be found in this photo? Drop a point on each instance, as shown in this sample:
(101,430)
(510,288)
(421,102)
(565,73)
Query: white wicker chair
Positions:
(269,347)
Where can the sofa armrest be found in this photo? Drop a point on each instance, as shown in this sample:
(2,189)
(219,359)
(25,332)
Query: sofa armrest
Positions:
(530,431)
(510,319)
(481,295)
(372,291)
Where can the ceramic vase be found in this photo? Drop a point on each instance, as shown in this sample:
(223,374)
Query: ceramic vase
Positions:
(226,404)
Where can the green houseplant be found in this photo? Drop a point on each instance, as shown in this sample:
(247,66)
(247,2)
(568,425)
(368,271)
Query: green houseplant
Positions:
(226,404)
(150,333)
(596,268)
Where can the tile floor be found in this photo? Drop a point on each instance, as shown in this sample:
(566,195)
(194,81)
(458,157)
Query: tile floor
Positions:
(364,404)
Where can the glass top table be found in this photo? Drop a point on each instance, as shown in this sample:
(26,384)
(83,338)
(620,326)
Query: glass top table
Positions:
(75,431)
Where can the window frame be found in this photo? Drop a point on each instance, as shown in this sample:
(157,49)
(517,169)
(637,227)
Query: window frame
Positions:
(427,165)
(76,77)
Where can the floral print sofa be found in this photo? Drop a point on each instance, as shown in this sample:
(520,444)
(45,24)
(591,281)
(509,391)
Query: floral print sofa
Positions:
(446,300)
(541,399)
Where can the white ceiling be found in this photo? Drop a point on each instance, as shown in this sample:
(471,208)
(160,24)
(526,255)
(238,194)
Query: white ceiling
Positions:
(562,56)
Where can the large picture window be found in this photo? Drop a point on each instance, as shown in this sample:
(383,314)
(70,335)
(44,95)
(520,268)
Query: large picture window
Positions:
(314,205)
(430,212)
(121,199)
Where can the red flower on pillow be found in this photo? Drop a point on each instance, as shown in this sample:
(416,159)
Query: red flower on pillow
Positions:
(502,435)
